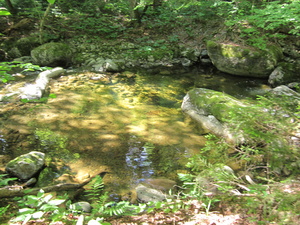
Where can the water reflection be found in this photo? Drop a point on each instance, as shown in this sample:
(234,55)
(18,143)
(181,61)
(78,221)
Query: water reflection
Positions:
(129,125)
(138,159)
(3,146)
(239,87)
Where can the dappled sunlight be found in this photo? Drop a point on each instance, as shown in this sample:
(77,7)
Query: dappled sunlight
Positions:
(21,125)
(103,123)
(138,129)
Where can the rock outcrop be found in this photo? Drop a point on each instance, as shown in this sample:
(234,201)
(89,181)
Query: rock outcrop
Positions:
(211,110)
(52,54)
(225,116)
(242,60)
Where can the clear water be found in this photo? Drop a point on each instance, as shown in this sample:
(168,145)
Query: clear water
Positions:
(129,125)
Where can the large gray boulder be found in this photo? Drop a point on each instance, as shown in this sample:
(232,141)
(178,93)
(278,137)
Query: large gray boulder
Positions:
(27,165)
(242,60)
(230,118)
(211,109)
(52,54)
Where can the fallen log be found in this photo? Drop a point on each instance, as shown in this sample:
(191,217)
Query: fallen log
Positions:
(19,191)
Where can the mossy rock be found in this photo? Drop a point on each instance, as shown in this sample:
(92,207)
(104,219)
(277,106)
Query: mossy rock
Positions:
(285,73)
(46,177)
(212,110)
(26,44)
(20,47)
(52,54)
(27,165)
(244,60)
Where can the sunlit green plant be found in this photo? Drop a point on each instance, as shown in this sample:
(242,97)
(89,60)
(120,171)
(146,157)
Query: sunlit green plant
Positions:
(102,207)
(5,181)
(4,12)
(4,75)
(267,127)
(7,67)
(3,211)
(39,206)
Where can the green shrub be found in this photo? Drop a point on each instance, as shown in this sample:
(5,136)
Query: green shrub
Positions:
(39,206)
(7,68)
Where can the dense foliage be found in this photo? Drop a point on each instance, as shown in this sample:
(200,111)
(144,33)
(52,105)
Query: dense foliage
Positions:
(274,18)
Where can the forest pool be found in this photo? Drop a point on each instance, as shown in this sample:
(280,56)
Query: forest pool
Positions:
(129,124)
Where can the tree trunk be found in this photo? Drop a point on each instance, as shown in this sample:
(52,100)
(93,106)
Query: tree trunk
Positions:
(10,7)
(43,22)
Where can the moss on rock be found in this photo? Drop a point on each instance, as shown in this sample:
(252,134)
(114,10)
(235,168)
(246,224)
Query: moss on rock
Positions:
(52,54)
(244,60)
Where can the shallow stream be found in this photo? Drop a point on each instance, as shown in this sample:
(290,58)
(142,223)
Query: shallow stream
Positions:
(129,124)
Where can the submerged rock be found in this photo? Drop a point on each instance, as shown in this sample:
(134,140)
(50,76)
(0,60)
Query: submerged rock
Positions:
(153,190)
(161,184)
(27,165)
(243,60)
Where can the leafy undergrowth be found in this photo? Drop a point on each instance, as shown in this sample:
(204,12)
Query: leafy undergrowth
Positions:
(271,207)
(192,216)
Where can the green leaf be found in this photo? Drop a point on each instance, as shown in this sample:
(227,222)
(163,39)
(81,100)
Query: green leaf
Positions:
(4,13)
(47,198)
(51,1)
(32,199)
(37,215)
(28,217)
(149,210)
(26,211)
(20,218)
(4,182)
(41,193)
(47,208)
(52,95)
(28,191)
(24,100)
(158,205)
(167,210)
(56,202)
